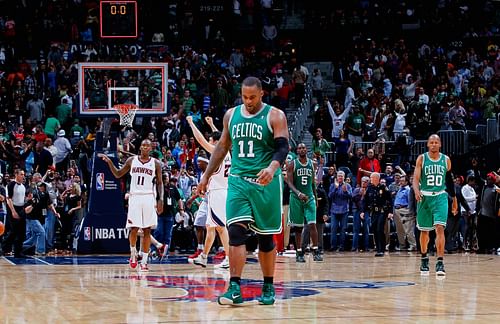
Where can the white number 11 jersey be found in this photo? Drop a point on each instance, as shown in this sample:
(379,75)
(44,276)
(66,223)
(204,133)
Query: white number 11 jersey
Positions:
(142,175)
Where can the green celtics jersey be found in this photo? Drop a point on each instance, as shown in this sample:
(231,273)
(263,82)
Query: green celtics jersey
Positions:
(433,175)
(253,141)
(303,177)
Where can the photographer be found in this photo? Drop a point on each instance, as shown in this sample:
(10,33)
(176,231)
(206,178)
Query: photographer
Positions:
(36,209)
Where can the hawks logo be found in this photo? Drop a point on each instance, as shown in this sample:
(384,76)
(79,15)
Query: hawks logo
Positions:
(208,289)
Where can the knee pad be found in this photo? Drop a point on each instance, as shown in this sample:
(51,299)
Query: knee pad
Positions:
(266,243)
(237,234)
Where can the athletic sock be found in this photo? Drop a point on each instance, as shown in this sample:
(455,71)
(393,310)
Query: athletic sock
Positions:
(236,280)
(268,280)
(424,255)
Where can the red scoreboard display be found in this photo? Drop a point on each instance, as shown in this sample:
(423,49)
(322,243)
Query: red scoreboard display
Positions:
(118,19)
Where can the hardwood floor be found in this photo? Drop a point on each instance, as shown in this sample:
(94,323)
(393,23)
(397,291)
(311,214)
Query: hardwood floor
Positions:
(345,287)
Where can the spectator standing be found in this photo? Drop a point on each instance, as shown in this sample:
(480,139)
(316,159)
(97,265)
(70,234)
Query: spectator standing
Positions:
(36,108)
(63,151)
(378,203)
(469,232)
(52,125)
(487,224)
(340,195)
(403,217)
(16,217)
(368,165)
(358,199)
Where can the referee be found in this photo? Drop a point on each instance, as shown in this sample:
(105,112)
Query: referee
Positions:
(16,193)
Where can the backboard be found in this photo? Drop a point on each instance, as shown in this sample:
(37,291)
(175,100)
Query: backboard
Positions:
(103,85)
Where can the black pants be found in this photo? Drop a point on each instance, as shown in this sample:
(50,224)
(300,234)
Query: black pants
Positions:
(17,232)
(486,233)
(306,236)
(452,227)
(378,226)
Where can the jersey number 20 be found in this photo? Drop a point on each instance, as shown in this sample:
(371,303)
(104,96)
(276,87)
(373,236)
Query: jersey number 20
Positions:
(434,180)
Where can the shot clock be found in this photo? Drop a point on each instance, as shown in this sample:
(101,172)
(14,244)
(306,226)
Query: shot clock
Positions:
(118,19)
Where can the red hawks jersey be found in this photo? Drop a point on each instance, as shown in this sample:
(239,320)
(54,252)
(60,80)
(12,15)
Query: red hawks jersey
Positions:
(142,176)
(218,180)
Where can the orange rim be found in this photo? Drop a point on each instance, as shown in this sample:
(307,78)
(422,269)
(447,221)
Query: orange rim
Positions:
(124,108)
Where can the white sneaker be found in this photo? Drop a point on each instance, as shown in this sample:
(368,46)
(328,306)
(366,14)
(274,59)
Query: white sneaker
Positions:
(201,260)
(144,268)
(223,265)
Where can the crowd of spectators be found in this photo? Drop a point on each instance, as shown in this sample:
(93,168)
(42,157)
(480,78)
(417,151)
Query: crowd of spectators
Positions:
(394,90)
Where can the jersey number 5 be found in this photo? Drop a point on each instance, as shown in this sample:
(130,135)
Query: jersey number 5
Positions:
(250,153)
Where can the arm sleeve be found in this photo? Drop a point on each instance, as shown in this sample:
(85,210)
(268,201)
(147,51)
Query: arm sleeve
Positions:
(280,150)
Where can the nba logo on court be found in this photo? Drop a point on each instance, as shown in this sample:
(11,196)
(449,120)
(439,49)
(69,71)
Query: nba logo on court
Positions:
(99,181)
(86,233)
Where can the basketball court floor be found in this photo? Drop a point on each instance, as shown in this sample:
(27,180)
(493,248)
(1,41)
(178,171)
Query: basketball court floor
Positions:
(345,287)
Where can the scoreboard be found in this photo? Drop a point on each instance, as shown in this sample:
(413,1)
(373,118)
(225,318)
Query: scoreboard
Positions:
(118,19)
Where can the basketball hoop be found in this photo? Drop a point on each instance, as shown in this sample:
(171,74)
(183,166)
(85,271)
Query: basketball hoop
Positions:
(126,112)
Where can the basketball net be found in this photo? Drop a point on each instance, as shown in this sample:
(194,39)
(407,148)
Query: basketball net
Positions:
(126,112)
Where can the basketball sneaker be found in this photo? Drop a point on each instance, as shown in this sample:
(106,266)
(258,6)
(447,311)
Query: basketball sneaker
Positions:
(317,255)
(133,261)
(195,254)
(440,268)
(223,265)
(161,251)
(424,266)
(268,295)
(232,296)
(299,256)
(201,260)
(144,268)
(220,255)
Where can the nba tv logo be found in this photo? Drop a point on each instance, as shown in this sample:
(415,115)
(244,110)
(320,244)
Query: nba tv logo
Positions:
(99,181)
(86,234)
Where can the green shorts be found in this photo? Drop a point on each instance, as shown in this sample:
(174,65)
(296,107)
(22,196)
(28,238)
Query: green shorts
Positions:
(260,206)
(301,211)
(431,211)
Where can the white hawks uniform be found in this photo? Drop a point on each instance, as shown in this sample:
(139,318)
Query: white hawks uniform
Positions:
(142,201)
(217,194)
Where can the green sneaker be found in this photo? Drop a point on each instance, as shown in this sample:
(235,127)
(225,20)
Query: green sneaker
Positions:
(232,296)
(299,257)
(424,266)
(440,269)
(268,296)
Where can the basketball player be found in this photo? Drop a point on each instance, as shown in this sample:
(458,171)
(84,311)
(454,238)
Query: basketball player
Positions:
(217,194)
(258,135)
(300,177)
(142,202)
(432,176)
